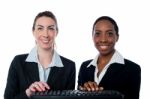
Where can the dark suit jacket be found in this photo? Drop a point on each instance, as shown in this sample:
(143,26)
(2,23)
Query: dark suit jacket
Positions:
(22,74)
(123,78)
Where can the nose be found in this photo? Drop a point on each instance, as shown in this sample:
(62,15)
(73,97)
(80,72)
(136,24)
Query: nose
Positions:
(45,33)
(103,38)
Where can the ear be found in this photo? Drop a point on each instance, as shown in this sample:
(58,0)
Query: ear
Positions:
(117,38)
(33,32)
(93,37)
(56,33)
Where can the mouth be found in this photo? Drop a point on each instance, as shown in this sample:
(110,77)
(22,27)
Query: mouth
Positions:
(45,41)
(104,47)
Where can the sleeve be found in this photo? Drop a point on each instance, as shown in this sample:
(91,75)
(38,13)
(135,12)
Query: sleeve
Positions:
(72,76)
(80,76)
(134,83)
(12,87)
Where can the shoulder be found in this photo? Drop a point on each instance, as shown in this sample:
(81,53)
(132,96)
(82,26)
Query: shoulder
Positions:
(86,63)
(21,57)
(132,65)
(19,60)
(66,60)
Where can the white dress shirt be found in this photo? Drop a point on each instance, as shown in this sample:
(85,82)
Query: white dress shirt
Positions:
(116,58)
(44,72)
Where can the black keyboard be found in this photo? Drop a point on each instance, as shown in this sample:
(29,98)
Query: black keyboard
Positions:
(76,94)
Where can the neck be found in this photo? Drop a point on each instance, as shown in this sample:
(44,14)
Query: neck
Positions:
(45,56)
(103,60)
(107,56)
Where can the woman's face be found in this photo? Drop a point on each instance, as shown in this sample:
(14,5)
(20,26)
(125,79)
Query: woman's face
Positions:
(45,32)
(104,37)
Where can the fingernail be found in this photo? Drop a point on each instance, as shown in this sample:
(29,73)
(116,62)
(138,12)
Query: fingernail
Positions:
(92,89)
(89,89)
(96,88)
(101,88)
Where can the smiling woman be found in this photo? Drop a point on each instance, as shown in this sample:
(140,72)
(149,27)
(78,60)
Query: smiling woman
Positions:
(43,68)
(45,33)
(109,70)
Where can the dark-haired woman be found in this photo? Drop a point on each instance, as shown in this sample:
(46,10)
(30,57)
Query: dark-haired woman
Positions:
(109,70)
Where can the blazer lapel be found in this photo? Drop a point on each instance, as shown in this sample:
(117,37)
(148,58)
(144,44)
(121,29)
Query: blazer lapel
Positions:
(111,72)
(90,73)
(32,71)
(53,76)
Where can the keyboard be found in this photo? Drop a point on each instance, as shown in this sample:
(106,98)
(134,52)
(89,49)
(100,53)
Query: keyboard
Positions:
(76,94)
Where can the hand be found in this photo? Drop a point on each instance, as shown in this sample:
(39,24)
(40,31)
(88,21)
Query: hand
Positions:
(90,86)
(37,86)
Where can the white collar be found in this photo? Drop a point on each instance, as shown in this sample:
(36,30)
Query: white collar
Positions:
(33,57)
(116,58)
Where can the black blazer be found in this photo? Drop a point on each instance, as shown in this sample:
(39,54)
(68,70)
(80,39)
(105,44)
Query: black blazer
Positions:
(123,78)
(22,74)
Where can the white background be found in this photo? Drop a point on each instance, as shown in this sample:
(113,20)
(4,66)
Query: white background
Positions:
(74,41)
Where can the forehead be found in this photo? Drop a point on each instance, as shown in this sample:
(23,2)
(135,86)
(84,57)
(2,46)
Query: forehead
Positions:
(104,24)
(45,21)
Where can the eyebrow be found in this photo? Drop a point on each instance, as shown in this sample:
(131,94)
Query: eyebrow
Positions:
(48,26)
(111,30)
(106,31)
(39,26)
(51,26)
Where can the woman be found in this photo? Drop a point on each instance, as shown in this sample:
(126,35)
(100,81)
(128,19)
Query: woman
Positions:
(109,70)
(43,68)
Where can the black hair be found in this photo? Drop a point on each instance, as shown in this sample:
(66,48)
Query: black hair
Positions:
(108,19)
(47,14)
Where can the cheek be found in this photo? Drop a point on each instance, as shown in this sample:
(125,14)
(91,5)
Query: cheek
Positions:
(95,39)
(53,36)
(36,37)
(112,40)
(35,34)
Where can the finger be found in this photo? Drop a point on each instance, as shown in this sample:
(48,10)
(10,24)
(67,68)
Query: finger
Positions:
(32,87)
(87,86)
(101,88)
(41,85)
(81,88)
(96,87)
(46,85)
(37,87)
(92,86)
(28,92)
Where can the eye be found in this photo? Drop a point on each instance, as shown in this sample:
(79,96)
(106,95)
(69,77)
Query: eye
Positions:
(39,28)
(110,34)
(97,33)
(51,28)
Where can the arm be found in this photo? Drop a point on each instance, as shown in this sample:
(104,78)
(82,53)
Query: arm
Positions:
(86,79)
(16,87)
(134,83)
(72,76)
(12,90)
(80,78)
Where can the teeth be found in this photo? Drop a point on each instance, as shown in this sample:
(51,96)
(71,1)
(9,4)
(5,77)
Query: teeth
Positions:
(45,41)
(103,47)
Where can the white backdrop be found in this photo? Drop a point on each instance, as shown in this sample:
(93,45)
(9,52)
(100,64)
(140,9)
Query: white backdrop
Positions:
(74,41)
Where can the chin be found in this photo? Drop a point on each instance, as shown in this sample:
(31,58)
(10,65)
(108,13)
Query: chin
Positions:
(105,53)
(46,47)
(102,52)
